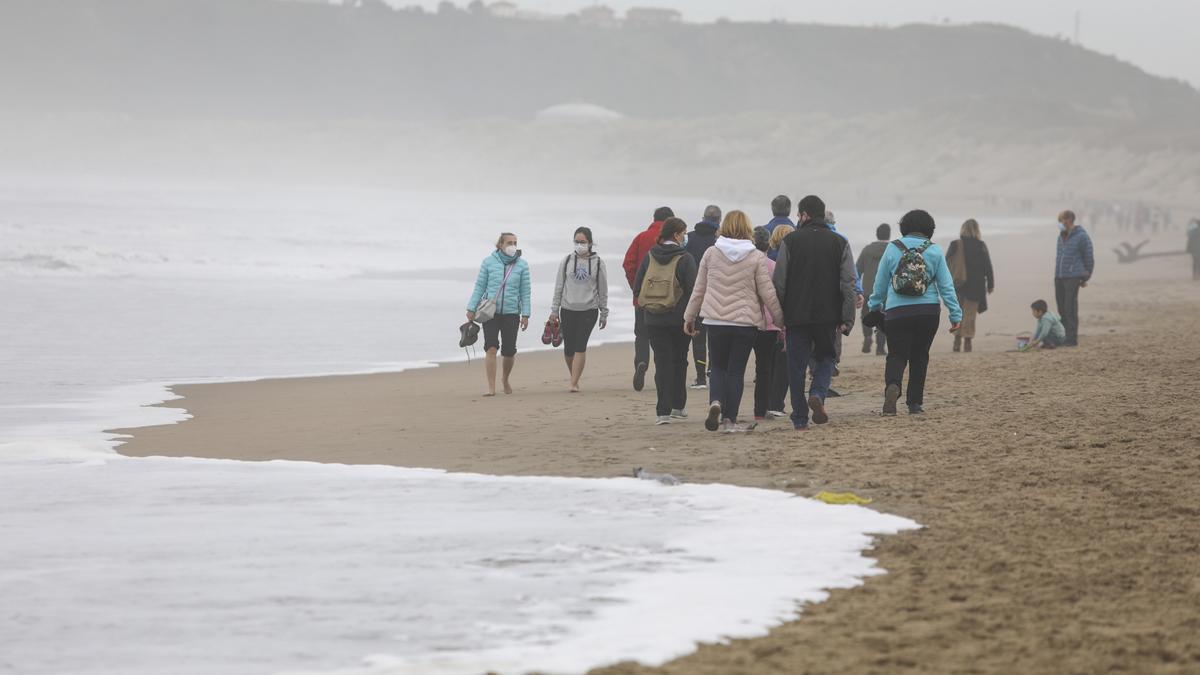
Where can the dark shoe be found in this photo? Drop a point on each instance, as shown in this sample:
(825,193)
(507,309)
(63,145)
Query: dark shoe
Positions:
(817,406)
(836,371)
(957,343)
(713,421)
(890,396)
(915,409)
(832,393)
(468,334)
(966,344)
(639,377)
(867,348)
(880,351)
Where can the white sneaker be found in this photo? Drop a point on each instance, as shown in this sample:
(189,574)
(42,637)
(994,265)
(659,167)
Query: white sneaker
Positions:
(699,385)
(679,414)
(776,413)
(665,419)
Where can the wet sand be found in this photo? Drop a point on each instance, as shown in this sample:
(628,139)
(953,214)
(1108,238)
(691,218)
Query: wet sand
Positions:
(1059,490)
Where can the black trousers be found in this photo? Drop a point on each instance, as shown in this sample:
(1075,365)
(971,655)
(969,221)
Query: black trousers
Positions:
(503,328)
(767,349)
(700,351)
(576,329)
(641,338)
(780,381)
(1066,294)
(729,351)
(670,345)
(908,343)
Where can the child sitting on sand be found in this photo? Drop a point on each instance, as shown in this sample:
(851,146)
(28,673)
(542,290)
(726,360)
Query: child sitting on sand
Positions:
(1049,332)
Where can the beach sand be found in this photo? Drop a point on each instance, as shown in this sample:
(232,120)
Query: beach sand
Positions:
(1059,491)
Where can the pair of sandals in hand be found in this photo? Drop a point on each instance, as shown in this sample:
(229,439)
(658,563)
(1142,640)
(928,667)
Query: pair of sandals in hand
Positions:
(552,335)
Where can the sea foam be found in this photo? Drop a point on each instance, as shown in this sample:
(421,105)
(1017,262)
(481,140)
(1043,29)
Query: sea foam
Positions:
(119,565)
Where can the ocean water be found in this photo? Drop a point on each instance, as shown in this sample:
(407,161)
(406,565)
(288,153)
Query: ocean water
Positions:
(117,565)
(148,566)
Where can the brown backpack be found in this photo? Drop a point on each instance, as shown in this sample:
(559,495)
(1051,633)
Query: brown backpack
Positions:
(661,291)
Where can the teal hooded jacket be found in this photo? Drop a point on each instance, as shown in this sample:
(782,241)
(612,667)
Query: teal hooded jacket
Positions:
(515,299)
(940,282)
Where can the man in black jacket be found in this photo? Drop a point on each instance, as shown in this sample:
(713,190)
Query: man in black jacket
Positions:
(815,279)
(701,238)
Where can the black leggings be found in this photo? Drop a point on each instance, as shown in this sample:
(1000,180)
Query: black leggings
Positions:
(908,343)
(576,328)
(502,327)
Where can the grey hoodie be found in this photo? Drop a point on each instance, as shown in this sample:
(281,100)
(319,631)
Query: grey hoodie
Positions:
(580,295)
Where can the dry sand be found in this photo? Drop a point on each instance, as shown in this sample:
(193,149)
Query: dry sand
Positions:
(1060,491)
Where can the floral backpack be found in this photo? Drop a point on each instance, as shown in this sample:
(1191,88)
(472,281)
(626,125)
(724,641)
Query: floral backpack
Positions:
(912,275)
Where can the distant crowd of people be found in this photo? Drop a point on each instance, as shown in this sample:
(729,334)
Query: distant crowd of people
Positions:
(787,292)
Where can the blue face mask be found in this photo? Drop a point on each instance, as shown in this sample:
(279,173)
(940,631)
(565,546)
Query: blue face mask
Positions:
(685,240)
(1062,227)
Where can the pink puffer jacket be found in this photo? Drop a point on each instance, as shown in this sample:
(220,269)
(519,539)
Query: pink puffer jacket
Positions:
(734,285)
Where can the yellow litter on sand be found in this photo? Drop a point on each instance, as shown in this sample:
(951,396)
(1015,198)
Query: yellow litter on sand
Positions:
(841,498)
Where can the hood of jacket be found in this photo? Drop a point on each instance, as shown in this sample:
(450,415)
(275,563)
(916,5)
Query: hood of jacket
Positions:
(735,249)
(664,252)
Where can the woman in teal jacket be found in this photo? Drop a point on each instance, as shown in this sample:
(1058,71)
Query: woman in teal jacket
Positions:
(911,322)
(504,276)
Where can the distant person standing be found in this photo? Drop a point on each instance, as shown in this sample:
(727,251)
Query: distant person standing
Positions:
(504,278)
(781,208)
(702,237)
(868,264)
(732,288)
(637,252)
(580,301)
(1073,268)
(912,276)
(664,281)
(1193,247)
(815,279)
(974,279)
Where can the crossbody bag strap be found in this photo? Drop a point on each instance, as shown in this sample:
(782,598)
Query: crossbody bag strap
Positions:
(503,286)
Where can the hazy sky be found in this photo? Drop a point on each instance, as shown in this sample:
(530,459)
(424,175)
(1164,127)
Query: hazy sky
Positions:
(1157,35)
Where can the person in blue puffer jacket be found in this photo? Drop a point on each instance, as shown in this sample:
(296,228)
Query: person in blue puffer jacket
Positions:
(911,322)
(1074,263)
(504,276)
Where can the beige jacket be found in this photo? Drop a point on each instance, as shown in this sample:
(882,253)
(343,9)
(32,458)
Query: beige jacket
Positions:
(734,285)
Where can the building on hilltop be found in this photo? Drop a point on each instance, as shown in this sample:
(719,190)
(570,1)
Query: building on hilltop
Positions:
(577,114)
(598,15)
(652,16)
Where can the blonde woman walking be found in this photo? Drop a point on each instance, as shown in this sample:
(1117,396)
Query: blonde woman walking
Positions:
(971,266)
(733,286)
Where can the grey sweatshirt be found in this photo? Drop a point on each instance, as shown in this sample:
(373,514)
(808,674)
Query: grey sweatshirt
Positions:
(578,295)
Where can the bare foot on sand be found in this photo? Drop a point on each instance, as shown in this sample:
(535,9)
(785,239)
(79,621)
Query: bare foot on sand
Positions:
(489,394)
(507,388)
(574,389)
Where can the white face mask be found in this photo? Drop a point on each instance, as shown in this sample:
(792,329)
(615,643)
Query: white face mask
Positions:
(581,248)
(510,251)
